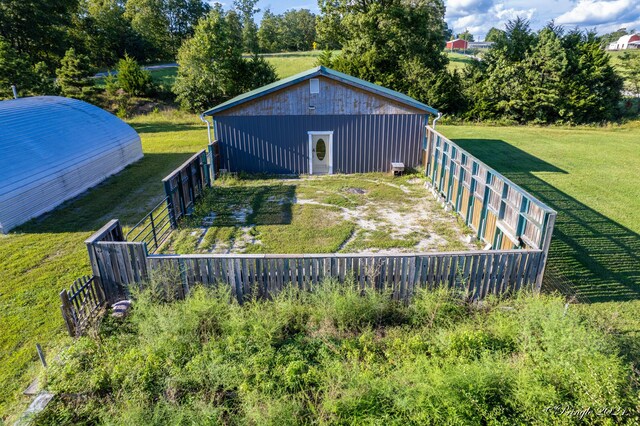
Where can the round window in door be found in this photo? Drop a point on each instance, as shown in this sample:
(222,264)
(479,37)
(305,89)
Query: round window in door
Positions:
(321,149)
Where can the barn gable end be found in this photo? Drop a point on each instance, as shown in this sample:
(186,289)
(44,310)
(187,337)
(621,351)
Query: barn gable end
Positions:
(333,98)
(319,122)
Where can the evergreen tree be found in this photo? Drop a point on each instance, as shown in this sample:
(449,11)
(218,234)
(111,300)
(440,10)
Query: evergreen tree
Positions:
(325,58)
(43,81)
(545,76)
(132,78)
(74,76)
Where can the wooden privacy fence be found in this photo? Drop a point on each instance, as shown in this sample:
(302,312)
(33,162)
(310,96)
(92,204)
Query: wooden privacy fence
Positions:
(476,273)
(119,264)
(82,304)
(502,214)
(186,184)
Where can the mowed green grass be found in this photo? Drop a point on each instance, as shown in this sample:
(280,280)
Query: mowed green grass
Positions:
(47,254)
(590,176)
(457,61)
(288,64)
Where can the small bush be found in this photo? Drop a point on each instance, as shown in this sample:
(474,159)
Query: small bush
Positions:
(132,78)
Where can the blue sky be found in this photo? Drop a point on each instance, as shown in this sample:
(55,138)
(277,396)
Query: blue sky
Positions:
(480,15)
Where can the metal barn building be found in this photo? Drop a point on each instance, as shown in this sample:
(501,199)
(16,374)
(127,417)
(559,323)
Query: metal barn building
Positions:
(54,148)
(319,122)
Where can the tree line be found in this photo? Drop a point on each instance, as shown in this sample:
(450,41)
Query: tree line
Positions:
(545,76)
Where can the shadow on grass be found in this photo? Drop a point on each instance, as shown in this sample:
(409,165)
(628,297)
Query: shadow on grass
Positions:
(599,258)
(127,196)
(239,205)
(164,127)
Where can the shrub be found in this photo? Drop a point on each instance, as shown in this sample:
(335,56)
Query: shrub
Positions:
(132,78)
(341,356)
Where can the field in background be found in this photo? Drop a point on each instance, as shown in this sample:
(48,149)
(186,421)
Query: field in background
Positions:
(457,61)
(286,65)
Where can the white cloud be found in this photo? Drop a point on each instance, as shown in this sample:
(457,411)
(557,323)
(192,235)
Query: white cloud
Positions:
(496,15)
(467,7)
(594,12)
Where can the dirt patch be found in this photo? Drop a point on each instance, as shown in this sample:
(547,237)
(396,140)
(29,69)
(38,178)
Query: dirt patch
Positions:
(358,191)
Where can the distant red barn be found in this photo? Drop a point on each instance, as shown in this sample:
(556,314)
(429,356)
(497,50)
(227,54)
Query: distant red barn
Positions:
(457,44)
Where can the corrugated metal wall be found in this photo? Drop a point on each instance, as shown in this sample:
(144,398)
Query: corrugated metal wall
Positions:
(280,144)
(54,148)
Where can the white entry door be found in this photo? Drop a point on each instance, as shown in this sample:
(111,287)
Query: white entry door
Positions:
(320,153)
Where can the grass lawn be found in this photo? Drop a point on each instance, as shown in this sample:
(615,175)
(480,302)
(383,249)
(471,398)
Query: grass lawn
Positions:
(590,176)
(288,64)
(342,213)
(47,254)
(457,61)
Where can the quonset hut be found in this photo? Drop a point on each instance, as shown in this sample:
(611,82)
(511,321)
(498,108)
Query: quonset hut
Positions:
(54,148)
(320,121)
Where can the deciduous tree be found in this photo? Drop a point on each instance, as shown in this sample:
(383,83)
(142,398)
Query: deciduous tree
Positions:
(211,66)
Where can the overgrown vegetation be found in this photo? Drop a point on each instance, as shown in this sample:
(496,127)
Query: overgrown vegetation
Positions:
(342,356)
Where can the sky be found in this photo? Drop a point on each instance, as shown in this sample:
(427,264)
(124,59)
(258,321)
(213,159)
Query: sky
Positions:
(478,16)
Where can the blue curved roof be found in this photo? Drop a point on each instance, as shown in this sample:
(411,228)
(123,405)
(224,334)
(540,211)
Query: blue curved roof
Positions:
(52,148)
(327,72)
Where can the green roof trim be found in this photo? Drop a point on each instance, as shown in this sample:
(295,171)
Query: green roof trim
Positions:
(320,71)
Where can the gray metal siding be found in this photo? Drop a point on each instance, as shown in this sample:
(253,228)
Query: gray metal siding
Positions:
(54,148)
(280,144)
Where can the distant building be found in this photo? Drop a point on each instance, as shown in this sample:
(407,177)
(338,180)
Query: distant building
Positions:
(480,44)
(631,41)
(457,44)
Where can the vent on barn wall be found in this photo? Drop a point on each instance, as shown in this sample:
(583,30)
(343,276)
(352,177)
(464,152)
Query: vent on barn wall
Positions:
(314,86)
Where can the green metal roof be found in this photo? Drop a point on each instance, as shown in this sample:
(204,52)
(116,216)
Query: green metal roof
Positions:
(314,72)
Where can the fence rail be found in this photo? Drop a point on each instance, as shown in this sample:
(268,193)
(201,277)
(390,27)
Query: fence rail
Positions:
(82,304)
(154,228)
(503,214)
